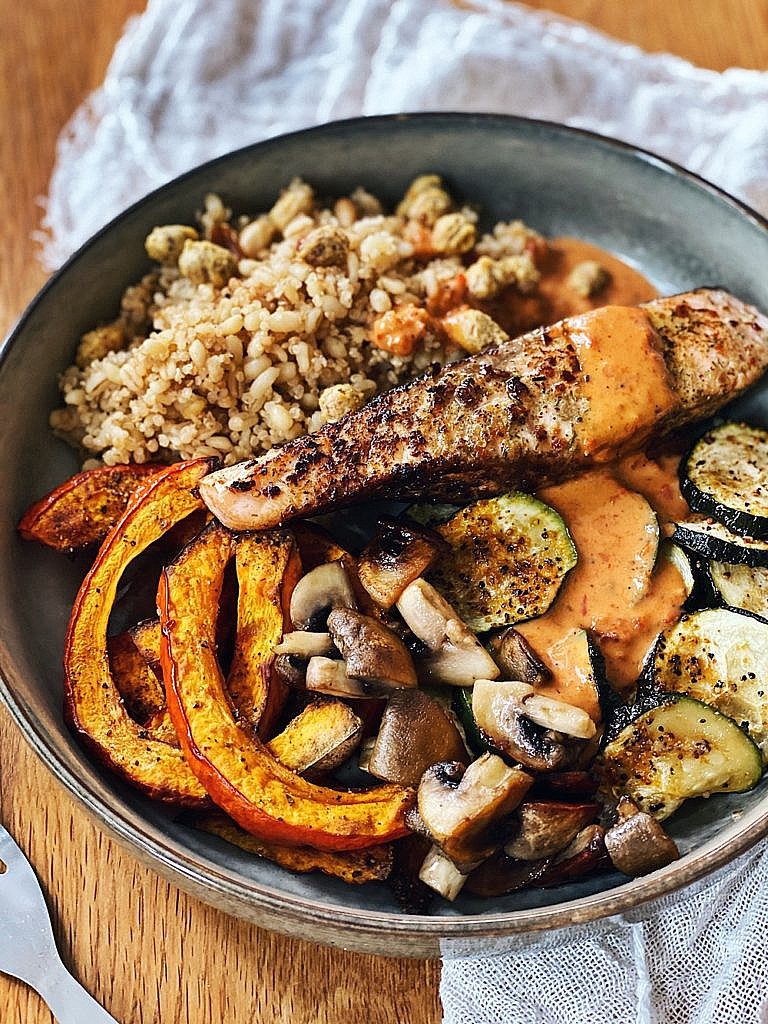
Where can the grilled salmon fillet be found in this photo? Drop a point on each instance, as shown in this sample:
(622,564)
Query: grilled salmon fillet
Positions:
(529,412)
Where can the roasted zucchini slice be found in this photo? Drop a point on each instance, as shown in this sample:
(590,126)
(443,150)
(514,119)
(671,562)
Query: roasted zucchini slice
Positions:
(507,559)
(739,586)
(725,475)
(683,562)
(703,536)
(462,707)
(669,747)
(719,656)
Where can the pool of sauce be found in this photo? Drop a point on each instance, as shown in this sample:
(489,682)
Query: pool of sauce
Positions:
(553,299)
(619,589)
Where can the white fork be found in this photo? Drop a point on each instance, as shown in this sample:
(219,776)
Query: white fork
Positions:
(27,947)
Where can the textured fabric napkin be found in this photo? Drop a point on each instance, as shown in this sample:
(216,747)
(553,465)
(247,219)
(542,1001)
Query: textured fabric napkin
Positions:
(191,80)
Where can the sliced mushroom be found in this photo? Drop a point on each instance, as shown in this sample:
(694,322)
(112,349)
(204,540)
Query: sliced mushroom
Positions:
(372,652)
(455,656)
(326,587)
(501,874)
(567,784)
(326,675)
(539,732)
(441,874)
(398,554)
(516,659)
(637,844)
(303,644)
(458,805)
(291,670)
(545,827)
(415,732)
(587,853)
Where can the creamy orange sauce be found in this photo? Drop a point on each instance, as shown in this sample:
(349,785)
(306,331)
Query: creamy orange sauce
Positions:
(623,377)
(626,286)
(612,589)
(553,299)
(657,481)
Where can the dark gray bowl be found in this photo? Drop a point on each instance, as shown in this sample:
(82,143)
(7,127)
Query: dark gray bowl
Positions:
(681,231)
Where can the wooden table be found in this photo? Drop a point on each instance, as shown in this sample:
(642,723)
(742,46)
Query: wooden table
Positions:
(148,951)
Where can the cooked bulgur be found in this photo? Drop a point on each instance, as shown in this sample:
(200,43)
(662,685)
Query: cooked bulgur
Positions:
(252,331)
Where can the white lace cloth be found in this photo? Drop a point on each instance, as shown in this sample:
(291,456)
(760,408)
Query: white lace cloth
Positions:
(190,80)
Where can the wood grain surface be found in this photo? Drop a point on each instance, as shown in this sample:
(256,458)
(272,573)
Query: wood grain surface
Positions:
(149,952)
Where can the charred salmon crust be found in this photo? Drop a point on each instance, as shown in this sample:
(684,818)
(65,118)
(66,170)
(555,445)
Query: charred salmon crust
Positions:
(529,412)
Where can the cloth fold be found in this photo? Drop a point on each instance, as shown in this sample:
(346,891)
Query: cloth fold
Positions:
(189,81)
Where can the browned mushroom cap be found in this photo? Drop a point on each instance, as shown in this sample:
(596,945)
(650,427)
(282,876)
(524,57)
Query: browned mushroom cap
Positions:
(501,874)
(570,784)
(325,587)
(398,553)
(455,656)
(539,732)
(458,806)
(291,670)
(587,853)
(373,653)
(516,659)
(546,826)
(415,732)
(638,844)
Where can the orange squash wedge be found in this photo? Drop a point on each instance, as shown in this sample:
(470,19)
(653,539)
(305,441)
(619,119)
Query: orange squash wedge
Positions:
(92,703)
(263,796)
(83,510)
(353,866)
(141,690)
(147,639)
(268,567)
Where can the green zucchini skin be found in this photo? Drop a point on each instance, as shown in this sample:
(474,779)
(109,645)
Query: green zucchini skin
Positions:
(715,542)
(725,475)
(462,706)
(718,656)
(669,747)
(690,568)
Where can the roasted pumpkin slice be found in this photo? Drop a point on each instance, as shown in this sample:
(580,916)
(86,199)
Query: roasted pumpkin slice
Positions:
(268,566)
(92,704)
(319,738)
(139,687)
(83,510)
(147,639)
(353,866)
(240,774)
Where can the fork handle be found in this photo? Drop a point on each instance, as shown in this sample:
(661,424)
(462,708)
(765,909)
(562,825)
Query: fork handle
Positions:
(68,1001)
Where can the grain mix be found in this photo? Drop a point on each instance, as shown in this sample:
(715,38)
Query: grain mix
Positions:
(254,330)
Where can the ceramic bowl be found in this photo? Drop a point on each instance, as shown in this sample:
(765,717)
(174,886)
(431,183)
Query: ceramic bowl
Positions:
(679,230)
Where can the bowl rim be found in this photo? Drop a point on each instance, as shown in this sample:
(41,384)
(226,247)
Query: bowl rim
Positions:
(283,911)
